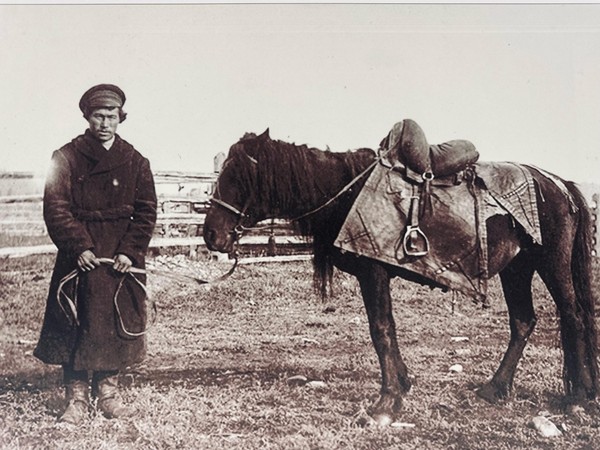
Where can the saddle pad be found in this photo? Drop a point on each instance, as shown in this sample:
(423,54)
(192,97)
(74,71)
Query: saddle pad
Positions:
(512,186)
(457,257)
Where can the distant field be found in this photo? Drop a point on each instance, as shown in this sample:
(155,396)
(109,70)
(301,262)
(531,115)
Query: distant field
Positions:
(21,224)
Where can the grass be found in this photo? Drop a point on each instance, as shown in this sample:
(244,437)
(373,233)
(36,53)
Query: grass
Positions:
(220,357)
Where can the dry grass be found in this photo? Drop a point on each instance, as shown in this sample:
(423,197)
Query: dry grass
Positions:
(219,358)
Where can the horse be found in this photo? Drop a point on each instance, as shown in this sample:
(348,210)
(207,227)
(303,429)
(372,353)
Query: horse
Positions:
(263,179)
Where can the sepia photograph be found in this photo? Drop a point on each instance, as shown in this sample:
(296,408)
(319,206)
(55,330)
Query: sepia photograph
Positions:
(304,225)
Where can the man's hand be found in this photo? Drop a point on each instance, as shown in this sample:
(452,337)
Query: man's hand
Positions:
(122,263)
(87,261)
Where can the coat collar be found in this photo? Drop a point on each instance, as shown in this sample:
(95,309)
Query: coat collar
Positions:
(119,154)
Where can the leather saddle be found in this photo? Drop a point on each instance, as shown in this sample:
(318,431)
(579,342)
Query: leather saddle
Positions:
(405,149)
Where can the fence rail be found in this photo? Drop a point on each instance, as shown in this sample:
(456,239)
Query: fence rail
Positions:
(192,242)
(20,198)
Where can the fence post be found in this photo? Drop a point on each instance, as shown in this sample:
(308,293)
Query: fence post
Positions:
(218,161)
(595,229)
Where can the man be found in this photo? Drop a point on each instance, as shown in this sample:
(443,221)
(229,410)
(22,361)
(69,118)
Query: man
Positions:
(99,202)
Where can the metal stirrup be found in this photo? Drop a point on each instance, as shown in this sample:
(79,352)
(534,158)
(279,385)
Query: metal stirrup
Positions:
(413,233)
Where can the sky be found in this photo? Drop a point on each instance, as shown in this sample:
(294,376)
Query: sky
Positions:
(520,81)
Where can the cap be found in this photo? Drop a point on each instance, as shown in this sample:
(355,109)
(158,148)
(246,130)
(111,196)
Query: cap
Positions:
(101,95)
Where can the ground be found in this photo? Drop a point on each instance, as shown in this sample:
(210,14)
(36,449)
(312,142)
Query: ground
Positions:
(220,359)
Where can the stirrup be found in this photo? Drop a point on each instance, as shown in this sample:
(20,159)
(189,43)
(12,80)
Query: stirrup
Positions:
(411,236)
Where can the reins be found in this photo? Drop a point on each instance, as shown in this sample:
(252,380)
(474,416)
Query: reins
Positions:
(343,190)
(75,274)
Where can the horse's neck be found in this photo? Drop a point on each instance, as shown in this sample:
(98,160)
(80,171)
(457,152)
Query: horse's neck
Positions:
(324,177)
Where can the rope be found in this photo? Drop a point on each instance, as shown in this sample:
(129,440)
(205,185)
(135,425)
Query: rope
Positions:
(72,302)
(120,316)
(344,189)
(74,275)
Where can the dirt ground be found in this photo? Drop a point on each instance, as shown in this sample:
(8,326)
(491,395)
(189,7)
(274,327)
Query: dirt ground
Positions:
(220,359)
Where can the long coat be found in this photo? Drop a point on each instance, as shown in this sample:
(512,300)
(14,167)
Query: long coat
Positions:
(104,201)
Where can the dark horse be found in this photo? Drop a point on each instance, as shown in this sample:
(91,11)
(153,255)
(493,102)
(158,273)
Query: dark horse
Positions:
(262,178)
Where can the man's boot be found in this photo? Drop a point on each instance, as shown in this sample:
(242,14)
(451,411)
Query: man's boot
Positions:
(110,403)
(77,396)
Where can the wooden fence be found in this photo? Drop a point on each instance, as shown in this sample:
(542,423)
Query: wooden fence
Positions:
(180,223)
(183,202)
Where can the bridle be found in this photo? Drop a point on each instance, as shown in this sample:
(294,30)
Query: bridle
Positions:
(231,208)
(239,228)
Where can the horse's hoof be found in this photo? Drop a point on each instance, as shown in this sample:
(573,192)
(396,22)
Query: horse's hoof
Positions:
(378,420)
(583,411)
(574,409)
(491,394)
(382,420)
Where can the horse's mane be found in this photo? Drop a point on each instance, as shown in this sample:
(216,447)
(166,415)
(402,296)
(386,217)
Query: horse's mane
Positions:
(287,179)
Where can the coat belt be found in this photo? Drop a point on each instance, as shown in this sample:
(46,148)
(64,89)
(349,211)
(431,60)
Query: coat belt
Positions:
(102,215)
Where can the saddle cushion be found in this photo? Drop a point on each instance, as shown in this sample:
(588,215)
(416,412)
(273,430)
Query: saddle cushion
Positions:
(408,147)
(452,157)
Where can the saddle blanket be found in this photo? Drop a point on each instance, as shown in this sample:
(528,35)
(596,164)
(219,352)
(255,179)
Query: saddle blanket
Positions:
(454,223)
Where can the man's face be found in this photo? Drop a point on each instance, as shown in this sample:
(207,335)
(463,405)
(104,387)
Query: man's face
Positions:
(103,123)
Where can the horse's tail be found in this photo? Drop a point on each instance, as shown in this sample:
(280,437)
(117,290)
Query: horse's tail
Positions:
(581,271)
(323,271)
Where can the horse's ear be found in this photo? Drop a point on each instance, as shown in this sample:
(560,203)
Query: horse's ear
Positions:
(265,134)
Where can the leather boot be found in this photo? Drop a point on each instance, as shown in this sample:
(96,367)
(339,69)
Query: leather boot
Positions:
(110,403)
(78,402)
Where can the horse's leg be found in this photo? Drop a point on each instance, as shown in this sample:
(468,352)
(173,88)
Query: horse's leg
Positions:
(580,369)
(374,283)
(516,283)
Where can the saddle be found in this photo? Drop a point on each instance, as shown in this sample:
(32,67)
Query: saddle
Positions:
(452,193)
(406,150)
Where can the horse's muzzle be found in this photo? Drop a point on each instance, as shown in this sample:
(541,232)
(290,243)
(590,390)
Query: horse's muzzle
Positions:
(218,242)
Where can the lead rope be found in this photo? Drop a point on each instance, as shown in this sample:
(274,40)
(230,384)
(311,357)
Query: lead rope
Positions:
(118,311)
(74,275)
(72,302)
